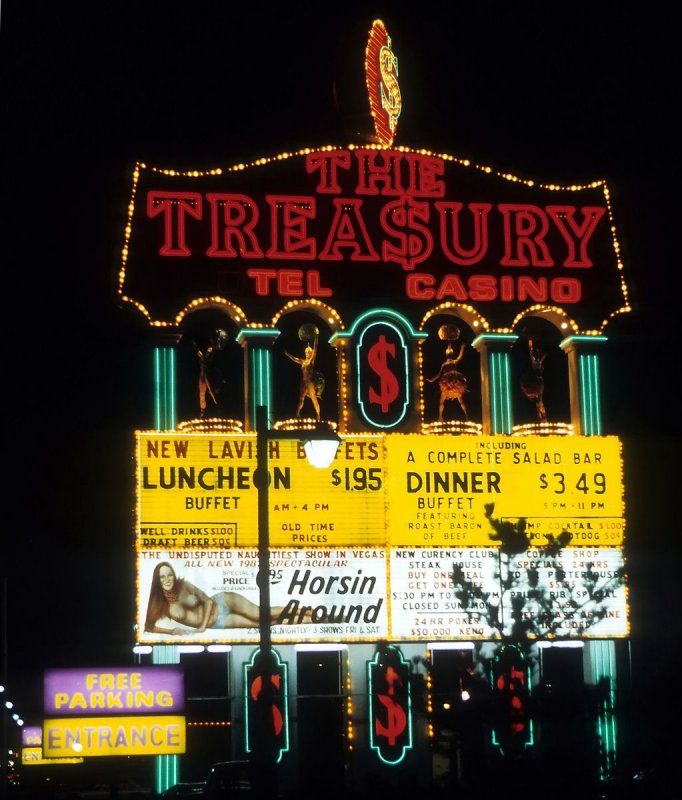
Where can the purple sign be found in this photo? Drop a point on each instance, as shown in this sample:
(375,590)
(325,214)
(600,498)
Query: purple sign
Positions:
(114,690)
(31,736)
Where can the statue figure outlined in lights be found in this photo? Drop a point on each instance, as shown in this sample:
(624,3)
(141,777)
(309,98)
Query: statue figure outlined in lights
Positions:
(312,381)
(533,382)
(452,383)
(205,357)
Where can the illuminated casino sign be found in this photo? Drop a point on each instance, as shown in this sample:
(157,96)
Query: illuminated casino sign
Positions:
(353,226)
(403,537)
(368,549)
(197,491)
(390,705)
(439,489)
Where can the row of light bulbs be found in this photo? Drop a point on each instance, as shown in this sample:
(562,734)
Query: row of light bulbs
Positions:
(9,705)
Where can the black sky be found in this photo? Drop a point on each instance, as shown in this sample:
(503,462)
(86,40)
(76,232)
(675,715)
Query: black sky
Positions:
(554,92)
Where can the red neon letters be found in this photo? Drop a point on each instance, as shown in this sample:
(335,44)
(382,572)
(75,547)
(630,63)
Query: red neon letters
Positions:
(346,220)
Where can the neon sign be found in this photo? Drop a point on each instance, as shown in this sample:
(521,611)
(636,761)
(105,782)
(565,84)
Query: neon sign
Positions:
(114,736)
(381,71)
(266,691)
(354,226)
(118,690)
(383,370)
(511,680)
(390,705)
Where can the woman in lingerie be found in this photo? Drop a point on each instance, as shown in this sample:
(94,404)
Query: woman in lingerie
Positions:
(181,601)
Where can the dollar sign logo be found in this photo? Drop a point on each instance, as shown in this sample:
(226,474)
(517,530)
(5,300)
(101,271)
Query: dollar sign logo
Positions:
(396,719)
(257,690)
(390,91)
(543,481)
(381,73)
(388,384)
(401,218)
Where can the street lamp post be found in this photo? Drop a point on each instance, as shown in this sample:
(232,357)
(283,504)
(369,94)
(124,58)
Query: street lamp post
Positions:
(320,444)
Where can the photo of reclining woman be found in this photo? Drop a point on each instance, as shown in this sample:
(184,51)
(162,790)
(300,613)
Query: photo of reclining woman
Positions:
(178,600)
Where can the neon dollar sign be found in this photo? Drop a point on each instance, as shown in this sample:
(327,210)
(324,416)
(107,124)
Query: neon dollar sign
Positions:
(396,718)
(257,689)
(390,91)
(388,387)
(403,220)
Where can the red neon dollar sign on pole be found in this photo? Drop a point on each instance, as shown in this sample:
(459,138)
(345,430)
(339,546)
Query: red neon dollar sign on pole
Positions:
(266,707)
(512,724)
(396,716)
(390,709)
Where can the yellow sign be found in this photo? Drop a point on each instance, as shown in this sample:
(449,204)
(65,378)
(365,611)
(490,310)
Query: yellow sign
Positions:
(33,756)
(198,491)
(113,736)
(445,490)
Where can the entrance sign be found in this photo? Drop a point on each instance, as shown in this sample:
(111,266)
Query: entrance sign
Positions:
(113,736)
(33,757)
(32,749)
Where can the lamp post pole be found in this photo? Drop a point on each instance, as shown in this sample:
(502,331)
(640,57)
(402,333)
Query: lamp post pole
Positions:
(262,482)
(265,667)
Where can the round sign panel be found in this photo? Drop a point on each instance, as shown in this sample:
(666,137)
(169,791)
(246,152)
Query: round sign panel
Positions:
(381,72)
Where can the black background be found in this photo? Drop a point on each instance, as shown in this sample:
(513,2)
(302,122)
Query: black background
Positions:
(561,93)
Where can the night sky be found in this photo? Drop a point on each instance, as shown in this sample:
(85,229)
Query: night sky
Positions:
(553,92)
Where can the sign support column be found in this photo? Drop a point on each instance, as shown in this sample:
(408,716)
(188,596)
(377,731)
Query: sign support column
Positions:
(257,344)
(166,767)
(584,385)
(165,381)
(496,381)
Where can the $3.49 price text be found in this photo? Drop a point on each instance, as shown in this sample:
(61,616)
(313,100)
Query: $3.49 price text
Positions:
(556,482)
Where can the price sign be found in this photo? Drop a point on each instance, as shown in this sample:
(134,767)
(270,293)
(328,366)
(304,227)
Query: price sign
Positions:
(198,491)
(443,491)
